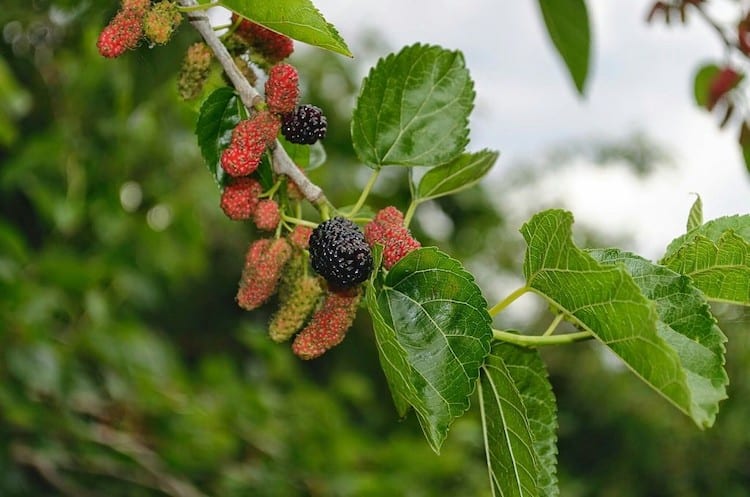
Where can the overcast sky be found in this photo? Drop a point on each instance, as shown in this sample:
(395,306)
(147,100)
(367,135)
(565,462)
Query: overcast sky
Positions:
(641,80)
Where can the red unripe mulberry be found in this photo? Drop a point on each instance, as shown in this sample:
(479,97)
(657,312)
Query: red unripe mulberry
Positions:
(264,263)
(250,139)
(267,215)
(387,229)
(123,32)
(282,89)
(240,198)
(328,325)
(300,237)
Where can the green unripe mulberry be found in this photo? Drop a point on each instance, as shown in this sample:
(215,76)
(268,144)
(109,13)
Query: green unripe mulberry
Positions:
(294,310)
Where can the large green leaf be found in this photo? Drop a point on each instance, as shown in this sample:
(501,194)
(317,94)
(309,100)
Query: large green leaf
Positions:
(457,175)
(298,19)
(567,23)
(529,384)
(433,333)
(713,230)
(603,300)
(686,324)
(218,116)
(721,269)
(413,109)
(511,459)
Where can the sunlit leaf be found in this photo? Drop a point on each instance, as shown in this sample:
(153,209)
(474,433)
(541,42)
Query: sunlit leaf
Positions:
(413,109)
(298,19)
(686,324)
(433,333)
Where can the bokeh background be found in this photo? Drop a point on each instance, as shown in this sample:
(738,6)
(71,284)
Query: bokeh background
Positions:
(126,368)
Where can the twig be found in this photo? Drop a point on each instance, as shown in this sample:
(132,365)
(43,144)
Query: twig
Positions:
(282,163)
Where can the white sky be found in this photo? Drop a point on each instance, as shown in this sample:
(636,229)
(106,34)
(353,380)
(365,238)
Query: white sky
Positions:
(641,80)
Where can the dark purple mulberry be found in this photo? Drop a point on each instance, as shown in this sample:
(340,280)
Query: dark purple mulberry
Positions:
(304,125)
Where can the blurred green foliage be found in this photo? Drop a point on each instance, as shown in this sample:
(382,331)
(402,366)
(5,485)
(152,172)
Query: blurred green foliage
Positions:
(126,368)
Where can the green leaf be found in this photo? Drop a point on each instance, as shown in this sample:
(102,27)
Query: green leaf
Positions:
(307,157)
(713,230)
(529,380)
(297,19)
(413,109)
(695,218)
(218,116)
(603,300)
(687,325)
(567,23)
(433,333)
(508,441)
(720,269)
(702,83)
(455,176)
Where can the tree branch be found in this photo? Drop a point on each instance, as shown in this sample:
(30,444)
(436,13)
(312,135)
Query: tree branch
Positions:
(282,163)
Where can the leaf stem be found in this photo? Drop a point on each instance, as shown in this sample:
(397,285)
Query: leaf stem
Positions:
(500,306)
(410,212)
(540,341)
(365,193)
(553,325)
(298,221)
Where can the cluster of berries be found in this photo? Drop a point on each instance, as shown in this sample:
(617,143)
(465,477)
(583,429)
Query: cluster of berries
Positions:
(280,266)
(134,20)
(252,137)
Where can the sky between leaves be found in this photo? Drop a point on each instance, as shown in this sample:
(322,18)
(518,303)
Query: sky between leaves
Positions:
(641,80)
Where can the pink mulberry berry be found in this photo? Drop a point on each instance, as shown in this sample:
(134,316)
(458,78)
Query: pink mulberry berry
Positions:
(282,89)
(328,325)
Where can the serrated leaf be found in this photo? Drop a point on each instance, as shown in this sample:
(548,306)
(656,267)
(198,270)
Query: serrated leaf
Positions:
(508,441)
(687,325)
(529,377)
(297,19)
(433,333)
(413,109)
(218,116)
(695,217)
(721,269)
(702,82)
(460,174)
(713,230)
(567,23)
(603,300)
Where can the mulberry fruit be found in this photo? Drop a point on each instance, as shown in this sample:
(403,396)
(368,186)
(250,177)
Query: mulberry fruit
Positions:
(195,70)
(305,125)
(387,229)
(272,46)
(328,325)
(294,310)
(240,198)
(264,263)
(123,32)
(267,215)
(282,89)
(250,139)
(161,21)
(300,237)
(340,254)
